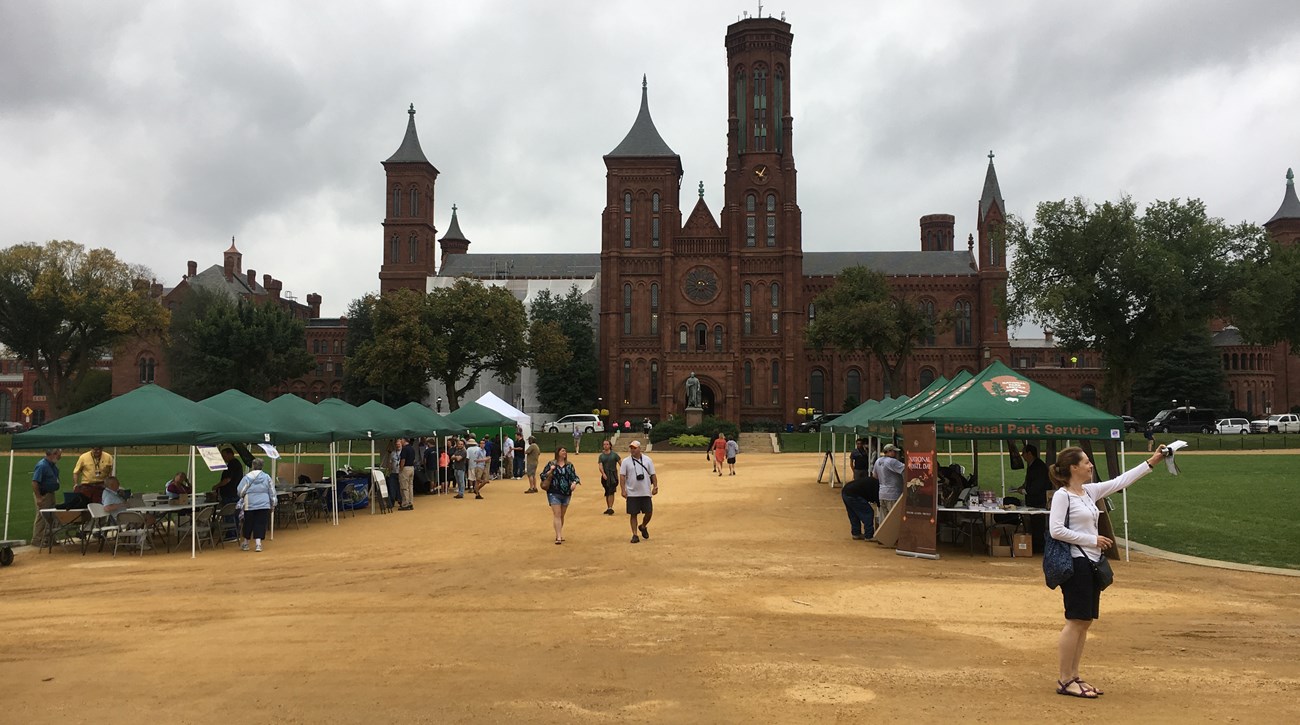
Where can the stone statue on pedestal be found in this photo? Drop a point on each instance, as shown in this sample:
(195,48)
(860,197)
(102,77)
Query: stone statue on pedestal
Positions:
(692,391)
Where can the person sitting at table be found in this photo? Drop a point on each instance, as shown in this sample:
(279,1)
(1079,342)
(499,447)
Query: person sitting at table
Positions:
(951,484)
(178,486)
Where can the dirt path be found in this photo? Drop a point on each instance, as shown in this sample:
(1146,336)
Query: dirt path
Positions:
(749,604)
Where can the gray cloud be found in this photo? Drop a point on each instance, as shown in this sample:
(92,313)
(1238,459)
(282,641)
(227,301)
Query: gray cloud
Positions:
(160,129)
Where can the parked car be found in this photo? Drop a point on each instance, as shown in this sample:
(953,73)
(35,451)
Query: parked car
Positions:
(1232,426)
(10,426)
(585,422)
(1131,424)
(1184,420)
(1280,423)
(814,424)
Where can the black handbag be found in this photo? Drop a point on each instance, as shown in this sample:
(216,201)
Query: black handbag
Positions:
(1102,575)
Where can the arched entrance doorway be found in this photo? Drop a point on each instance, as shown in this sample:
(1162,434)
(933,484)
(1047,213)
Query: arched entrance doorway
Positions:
(707,400)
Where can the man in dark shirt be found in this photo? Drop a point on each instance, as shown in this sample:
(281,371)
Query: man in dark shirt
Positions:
(861,493)
(227,487)
(860,460)
(1036,487)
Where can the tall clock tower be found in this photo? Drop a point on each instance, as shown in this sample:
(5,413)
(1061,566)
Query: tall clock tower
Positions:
(761,220)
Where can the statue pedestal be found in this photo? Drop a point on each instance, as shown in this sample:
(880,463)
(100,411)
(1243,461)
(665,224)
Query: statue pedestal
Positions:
(694,416)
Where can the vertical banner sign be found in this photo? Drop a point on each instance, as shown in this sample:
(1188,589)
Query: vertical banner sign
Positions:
(920,492)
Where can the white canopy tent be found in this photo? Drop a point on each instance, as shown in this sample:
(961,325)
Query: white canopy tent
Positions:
(522,419)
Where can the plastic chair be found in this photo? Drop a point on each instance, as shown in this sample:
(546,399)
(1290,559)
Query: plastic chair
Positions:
(298,509)
(132,529)
(99,526)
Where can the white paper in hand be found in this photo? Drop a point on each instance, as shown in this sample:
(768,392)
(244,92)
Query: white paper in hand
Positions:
(1170,450)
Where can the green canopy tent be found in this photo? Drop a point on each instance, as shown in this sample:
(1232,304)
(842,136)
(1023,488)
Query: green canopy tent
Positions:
(885,424)
(424,421)
(283,424)
(473,415)
(855,421)
(349,423)
(148,415)
(1001,404)
(384,421)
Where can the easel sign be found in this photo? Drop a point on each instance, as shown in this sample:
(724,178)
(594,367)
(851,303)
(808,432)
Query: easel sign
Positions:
(212,458)
(828,463)
(378,490)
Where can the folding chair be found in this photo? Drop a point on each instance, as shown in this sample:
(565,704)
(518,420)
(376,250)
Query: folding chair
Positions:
(132,529)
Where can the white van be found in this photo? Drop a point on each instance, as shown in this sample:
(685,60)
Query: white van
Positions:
(585,422)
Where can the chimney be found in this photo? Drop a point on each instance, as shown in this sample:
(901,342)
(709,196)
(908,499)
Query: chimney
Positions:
(266,281)
(937,232)
(229,268)
(1047,336)
(313,302)
(156,289)
(193,268)
(252,279)
(274,287)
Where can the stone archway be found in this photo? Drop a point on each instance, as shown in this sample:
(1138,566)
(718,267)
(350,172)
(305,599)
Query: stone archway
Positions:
(708,400)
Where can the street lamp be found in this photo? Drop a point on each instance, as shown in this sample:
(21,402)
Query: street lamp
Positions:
(439,404)
(808,411)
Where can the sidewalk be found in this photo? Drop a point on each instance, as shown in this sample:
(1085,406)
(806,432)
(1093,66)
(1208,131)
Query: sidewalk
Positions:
(1198,561)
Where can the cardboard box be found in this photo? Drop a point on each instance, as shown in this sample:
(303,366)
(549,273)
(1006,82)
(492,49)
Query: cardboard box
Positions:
(1022,545)
(999,540)
(1000,551)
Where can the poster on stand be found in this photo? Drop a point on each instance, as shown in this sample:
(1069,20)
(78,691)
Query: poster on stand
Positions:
(916,536)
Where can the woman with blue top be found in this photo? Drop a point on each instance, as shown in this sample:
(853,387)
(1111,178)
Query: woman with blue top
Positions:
(1073,521)
(559,479)
(257,492)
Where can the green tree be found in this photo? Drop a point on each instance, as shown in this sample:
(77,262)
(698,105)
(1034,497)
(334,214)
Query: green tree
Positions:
(1124,284)
(390,348)
(1186,369)
(218,344)
(862,313)
(91,389)
(1264,305)
(563,341)
(476,329)
(63,307)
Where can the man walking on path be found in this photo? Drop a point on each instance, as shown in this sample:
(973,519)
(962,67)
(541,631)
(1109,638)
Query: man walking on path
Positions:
(45,481)
(638,483)
(478,466)
(889,471)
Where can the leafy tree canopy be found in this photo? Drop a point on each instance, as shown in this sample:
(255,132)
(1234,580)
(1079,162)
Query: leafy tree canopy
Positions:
(862,313)
(1265,304)
(219,344)
(1123,283)
(476,329)
(63,307)
(1187,368)
(563,340)
(389,349)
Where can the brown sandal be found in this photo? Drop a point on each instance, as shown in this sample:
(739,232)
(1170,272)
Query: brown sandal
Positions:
(1085,691)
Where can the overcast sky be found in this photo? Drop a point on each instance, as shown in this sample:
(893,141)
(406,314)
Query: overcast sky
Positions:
(161,129)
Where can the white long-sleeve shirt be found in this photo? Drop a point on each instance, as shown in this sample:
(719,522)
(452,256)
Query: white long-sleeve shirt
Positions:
(1083,511)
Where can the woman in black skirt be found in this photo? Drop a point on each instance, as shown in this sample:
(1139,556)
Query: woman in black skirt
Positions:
(1073,521)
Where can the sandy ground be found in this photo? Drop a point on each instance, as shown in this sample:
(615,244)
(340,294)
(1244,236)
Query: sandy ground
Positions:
(750,603)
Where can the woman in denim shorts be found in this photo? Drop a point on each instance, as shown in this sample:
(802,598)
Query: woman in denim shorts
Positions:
(559,479)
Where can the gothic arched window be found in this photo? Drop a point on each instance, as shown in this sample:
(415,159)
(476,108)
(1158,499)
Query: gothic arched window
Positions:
(760,109)
(415,201)
(717,338)
(962,327)
(654,382)
(747,384)
(627,309)
(751,223)
(701,336)
(654,309)
(397,201)
(771,220)
(414,248)
(817,390)
(853,387)
(682,334)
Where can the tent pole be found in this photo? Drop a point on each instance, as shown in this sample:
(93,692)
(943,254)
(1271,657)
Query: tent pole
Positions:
(275,497)
(9,493)
(950,451)
(114,460)
(1124,461)
(194,532)
(1002,470)
(334,475)
(349,452)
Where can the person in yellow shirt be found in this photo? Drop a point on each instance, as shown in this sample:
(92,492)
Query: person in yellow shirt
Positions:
(88,476)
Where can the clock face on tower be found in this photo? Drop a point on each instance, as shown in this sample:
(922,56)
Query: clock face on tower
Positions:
(760,174)
(701,285)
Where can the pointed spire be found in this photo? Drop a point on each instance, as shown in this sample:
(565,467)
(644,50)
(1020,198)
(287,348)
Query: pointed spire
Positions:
(644,138)
(992,193)
(409,151)
(232,247)
(453,229)
(1290,208)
